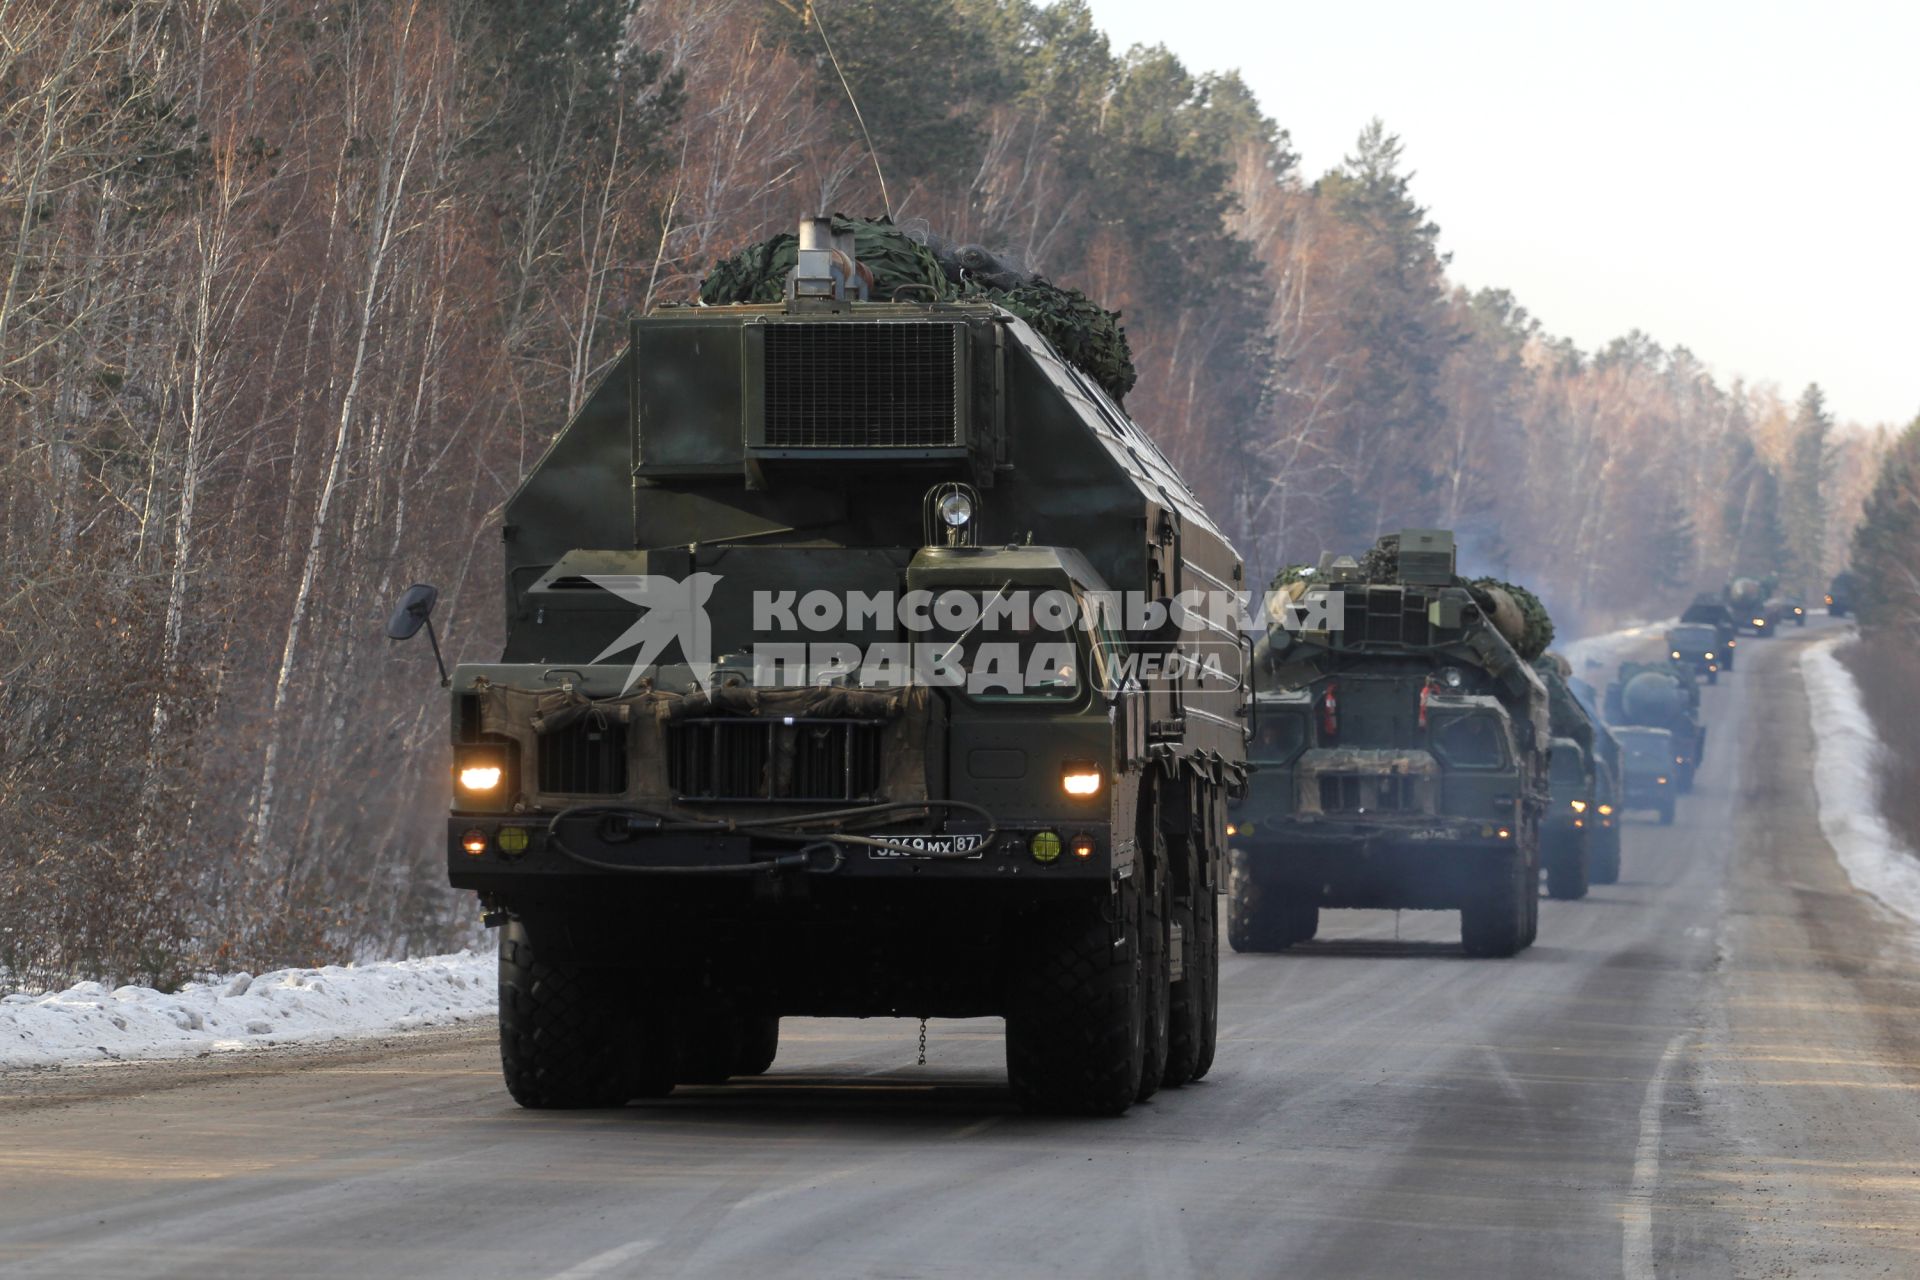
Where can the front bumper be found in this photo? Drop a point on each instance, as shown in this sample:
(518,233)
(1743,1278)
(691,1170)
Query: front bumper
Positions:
(542,865)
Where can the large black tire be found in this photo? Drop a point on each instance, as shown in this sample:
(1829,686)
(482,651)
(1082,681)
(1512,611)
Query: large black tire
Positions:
(1494,924)
(759,1044)
(1156,910)
(1194,995)
(1666,812)
(1209,929)
(1605,868)
(1567,868)
(1076,1032)
(1265,917)
(570,1036)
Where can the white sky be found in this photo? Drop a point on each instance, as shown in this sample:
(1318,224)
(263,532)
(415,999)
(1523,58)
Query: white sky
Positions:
(1737,176)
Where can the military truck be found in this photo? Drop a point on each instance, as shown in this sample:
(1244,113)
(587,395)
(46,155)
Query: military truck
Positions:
(1792,607)
(1647,776)
(1747,598)
(747,753)
(1840,595)
(1696,646)
(1663,696)
(1603,829)
(1401,755)
(1565,849)
(1710,610)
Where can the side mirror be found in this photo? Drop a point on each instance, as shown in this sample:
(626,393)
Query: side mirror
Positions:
(415,607)
(414,611)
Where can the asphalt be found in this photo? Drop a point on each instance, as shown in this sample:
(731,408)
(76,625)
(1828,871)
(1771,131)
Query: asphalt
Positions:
(1709,1069)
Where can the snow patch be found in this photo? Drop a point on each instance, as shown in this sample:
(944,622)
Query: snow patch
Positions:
(1846,769)
(87,1022)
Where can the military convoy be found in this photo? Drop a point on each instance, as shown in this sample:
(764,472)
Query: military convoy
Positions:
(853,666)
(845,675)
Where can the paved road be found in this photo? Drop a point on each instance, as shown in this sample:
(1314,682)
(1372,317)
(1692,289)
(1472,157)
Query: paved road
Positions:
(1710,1069)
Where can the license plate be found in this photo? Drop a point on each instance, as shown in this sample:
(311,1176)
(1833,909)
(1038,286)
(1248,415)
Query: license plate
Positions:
(959,843)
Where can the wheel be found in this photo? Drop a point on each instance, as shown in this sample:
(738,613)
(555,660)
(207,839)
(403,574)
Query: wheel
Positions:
(1605,868)
(1567,864)
(1530,930)
(1187,1018)
(570,1036)
(757,1044)
(1209,931)
(1076,1030)
(1666,812)
(1495,923)
(1713,677)
(1156,904)
(1264,917)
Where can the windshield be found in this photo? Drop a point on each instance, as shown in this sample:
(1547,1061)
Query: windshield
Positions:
(1693,638)
(1568,765)
(1471,742)
(1282,734)
(1007,661)
(1646,748)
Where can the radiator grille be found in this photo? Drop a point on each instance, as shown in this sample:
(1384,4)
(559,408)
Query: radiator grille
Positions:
(836,385)
(790,761)
(1385,615)
(587,757)
(1376,793)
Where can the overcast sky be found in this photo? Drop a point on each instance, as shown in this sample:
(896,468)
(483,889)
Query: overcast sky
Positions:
(1739,178)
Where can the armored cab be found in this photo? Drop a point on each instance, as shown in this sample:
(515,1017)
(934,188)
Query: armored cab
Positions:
(1401,755)
(862,658)
(1712,611)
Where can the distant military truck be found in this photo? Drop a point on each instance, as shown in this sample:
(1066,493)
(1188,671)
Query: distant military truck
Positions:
(1747,598)
(692,815)
(1603,833)
(1662,696)
(1648,770)
(1840,595)
(1565,844)
(1792,607)
(1712,611)
(1696,647)
(1402,757)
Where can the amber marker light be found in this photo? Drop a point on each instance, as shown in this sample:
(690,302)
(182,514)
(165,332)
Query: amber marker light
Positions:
(1080,779)
(474,842)
(1579,806)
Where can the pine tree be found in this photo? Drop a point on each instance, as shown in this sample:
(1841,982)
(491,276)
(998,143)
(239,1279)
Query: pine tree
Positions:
(1886,543)
(1803,493)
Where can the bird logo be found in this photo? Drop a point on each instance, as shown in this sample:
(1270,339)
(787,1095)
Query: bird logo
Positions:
(673,609)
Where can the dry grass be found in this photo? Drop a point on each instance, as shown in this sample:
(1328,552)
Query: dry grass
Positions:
(1887,665)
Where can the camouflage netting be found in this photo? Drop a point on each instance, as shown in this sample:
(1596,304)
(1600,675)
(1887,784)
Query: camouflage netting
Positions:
(1083,332)
(1534,625)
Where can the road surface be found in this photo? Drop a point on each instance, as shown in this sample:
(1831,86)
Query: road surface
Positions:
(1709,1069)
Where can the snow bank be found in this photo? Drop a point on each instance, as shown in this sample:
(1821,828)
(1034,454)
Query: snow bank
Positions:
(1846,761)
(90,1023)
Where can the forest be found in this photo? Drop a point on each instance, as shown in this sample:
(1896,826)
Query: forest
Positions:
(295,290)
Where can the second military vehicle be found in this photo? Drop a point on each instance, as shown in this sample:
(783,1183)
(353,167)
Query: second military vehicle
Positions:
(1647,774)
(1696,646)
(1565,844)
(1712,611)
(813,702)
(1662,696)
(1402,759)
(1603,833)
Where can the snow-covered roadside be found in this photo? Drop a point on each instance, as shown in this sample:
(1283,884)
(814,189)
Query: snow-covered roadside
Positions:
(89,1023)
(1846,785)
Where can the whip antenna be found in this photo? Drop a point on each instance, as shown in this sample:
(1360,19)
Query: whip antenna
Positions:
(813,12)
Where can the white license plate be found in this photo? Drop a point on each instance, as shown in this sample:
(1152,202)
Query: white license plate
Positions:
(961,843)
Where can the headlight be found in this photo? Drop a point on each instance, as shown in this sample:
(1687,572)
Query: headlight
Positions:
(1661,780)
(1606,810)
(1759,622)
(956,509)
(480,777)
(1080,779)
(1709,657)
(1232,830)
(1676,654)
(1579,806)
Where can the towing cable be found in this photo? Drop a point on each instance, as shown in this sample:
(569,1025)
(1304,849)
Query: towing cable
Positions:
(620,823)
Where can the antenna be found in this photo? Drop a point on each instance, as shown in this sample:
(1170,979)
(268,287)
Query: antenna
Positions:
(813,12)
